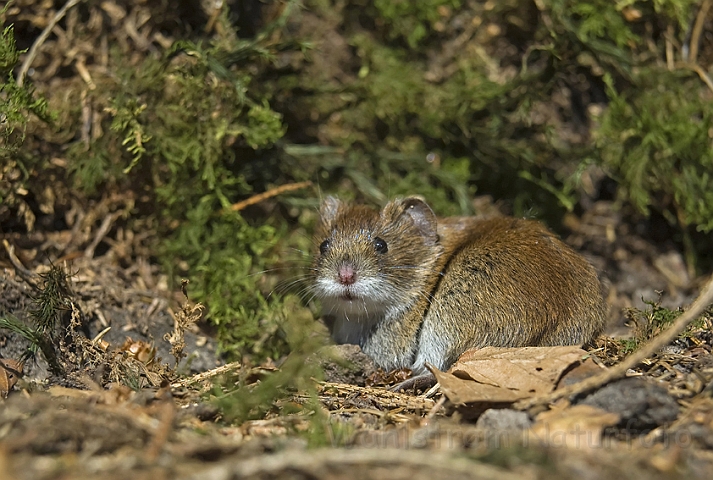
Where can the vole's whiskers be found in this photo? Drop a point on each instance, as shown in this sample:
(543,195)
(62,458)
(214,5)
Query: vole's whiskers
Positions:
(293,269)
(287,285)
(275,270)
(304,290)
(303,253)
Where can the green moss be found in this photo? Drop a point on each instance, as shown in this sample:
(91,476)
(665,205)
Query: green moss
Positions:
(184,114)
(655,139)
(597,24)
(186,127)
(223,254)
(413,21)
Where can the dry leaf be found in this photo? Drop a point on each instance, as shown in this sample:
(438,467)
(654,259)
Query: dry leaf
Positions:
(580,426)
(505,375)
(631,14)
(10,371)
(142,351)
(580,372)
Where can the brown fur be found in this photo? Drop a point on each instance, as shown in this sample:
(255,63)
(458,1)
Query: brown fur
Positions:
(451,284)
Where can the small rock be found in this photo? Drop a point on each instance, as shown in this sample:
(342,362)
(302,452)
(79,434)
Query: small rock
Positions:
(500,419)
(641,404)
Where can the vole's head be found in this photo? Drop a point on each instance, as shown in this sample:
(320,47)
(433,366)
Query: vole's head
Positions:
(367,261)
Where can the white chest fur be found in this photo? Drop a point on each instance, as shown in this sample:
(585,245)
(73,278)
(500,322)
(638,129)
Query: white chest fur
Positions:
(353,319)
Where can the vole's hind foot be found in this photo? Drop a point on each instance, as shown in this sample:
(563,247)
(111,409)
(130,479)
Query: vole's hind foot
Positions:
(420,382)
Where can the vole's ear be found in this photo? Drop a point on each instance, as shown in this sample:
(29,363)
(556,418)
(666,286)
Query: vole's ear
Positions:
(422,216)
(328,209)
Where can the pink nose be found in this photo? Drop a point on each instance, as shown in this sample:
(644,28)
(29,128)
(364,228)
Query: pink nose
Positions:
(347,275)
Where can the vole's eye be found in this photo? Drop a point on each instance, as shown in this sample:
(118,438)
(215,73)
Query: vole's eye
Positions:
(380,245)
(324,247)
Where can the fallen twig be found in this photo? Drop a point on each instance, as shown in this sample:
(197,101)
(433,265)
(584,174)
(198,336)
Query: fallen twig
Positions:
(41,39)
(236,207)
(701,73)
(432,413)
(27,275)
(101,233)
(697,29)
(200,377)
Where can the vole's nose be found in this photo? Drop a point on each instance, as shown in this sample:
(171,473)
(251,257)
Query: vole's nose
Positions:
(346,274)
